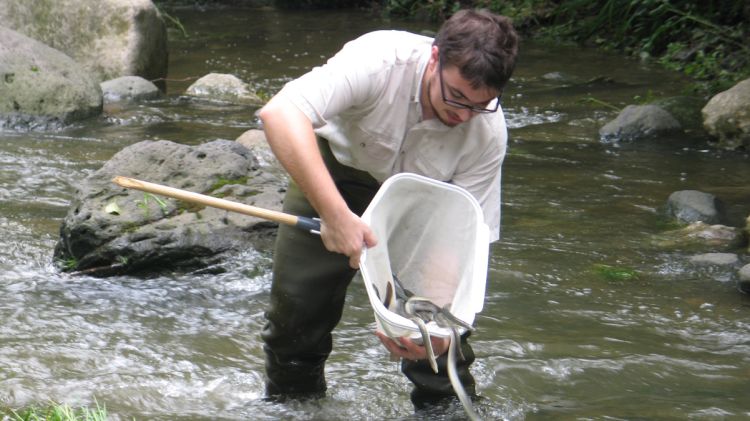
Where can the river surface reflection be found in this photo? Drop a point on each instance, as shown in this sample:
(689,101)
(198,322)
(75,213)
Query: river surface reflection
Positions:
(556,338)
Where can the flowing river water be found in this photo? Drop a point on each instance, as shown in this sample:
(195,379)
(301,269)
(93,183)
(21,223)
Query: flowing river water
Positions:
(557,339)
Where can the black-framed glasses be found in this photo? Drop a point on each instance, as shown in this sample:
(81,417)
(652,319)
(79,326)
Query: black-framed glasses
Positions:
(456,104)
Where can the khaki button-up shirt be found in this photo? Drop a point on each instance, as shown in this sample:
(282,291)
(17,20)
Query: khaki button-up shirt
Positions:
(365,102)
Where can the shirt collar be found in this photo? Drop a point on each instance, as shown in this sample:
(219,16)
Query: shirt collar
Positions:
(416,92)
(419,74)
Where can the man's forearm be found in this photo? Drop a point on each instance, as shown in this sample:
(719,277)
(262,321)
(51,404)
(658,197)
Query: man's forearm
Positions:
(291,137)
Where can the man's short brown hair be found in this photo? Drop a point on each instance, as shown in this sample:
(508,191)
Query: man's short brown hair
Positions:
(481,44)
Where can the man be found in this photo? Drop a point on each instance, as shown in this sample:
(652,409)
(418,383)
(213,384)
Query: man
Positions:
(388,102)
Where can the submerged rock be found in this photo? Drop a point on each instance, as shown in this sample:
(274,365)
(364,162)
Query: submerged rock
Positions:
(112,230)
(727,116)
(715,259)
(700,236)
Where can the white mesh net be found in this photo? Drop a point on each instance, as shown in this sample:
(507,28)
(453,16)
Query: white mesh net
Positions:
(432,237)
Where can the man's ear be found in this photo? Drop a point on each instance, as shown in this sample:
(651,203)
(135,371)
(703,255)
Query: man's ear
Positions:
(434,58)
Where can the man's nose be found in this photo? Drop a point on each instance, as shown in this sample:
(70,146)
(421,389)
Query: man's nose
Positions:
(465,114)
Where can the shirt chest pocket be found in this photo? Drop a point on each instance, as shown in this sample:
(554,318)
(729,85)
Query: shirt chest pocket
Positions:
(436,158)
(374,145)
(378,135)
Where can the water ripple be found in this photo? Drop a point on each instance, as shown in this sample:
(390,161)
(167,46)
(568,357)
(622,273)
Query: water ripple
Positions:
(516,118)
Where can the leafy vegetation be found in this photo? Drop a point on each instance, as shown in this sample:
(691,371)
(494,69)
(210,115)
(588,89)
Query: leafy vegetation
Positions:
(706,41)
(173,22)
(318,4)
(434,9)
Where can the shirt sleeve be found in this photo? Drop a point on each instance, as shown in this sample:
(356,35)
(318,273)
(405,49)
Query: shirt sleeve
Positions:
(346,80)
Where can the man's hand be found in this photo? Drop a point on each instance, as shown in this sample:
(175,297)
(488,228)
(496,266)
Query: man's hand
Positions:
(347,234)
(406,348)
(290,134)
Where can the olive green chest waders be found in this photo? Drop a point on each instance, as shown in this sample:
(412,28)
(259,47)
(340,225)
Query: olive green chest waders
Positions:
(307,300)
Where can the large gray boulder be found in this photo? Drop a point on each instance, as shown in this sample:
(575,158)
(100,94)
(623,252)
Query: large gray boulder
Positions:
(40,87)
(112,230)
(727,116)
(110,38)
(640,121)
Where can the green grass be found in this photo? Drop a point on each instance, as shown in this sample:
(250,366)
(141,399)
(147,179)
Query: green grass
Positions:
(144,204)
(68,264)
(57,412)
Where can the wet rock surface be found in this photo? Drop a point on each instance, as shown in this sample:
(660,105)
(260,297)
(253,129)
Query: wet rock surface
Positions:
(112,230)
(220,87)
(695,206)
(40,87)
(109,38)
(129,89)
(640,121)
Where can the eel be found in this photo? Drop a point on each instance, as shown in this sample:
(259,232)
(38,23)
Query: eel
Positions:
(421,310)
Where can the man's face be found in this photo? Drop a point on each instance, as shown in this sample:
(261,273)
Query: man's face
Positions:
(451,96)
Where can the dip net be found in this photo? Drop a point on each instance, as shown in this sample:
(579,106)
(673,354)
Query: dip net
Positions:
(432,237)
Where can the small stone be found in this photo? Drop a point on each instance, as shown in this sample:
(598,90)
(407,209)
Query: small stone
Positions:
(693,206)
(718,259)
(129,88)
(224,88)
